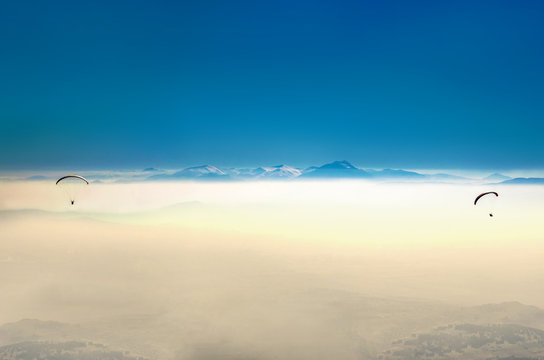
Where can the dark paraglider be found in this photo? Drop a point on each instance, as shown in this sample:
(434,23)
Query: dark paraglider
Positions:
(484,194)
(488,196)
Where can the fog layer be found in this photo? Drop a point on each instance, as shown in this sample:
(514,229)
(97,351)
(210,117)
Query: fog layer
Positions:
(306,268)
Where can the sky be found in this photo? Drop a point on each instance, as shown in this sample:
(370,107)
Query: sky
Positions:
(132,84)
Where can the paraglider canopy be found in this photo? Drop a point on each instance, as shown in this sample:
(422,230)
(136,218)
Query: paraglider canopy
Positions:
(71,184)
(72,176)
(484,194)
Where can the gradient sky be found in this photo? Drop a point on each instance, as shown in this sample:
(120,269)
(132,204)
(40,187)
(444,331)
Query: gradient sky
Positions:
(414,84)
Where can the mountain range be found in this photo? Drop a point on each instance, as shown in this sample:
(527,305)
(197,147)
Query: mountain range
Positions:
(337,169)
(333,170)
(525,181)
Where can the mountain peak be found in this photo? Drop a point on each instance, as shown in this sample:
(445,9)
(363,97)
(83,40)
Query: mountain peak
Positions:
(336,169)
(278,171)
(343,164)
(498,177)
(203,169)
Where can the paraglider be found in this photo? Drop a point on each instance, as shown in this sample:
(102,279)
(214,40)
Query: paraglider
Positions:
(486,195)
(71,184)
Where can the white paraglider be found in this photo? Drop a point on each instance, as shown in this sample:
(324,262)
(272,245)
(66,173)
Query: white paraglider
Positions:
(72,184)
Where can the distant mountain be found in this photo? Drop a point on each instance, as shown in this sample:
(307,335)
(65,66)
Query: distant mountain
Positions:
(399,174)
(344,169)
(199,171)
(203,172)
(279,171)
(239,172)
(396,174)
(497,177)
(270,172)
(337,169)
(446,177)
(525,181)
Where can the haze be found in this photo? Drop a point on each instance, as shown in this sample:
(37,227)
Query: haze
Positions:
(262,269)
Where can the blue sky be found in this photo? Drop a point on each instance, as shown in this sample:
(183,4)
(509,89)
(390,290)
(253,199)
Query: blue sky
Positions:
(413,84)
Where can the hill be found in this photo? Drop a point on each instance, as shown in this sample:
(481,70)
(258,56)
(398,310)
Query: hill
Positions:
(70,350)
(470,342)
